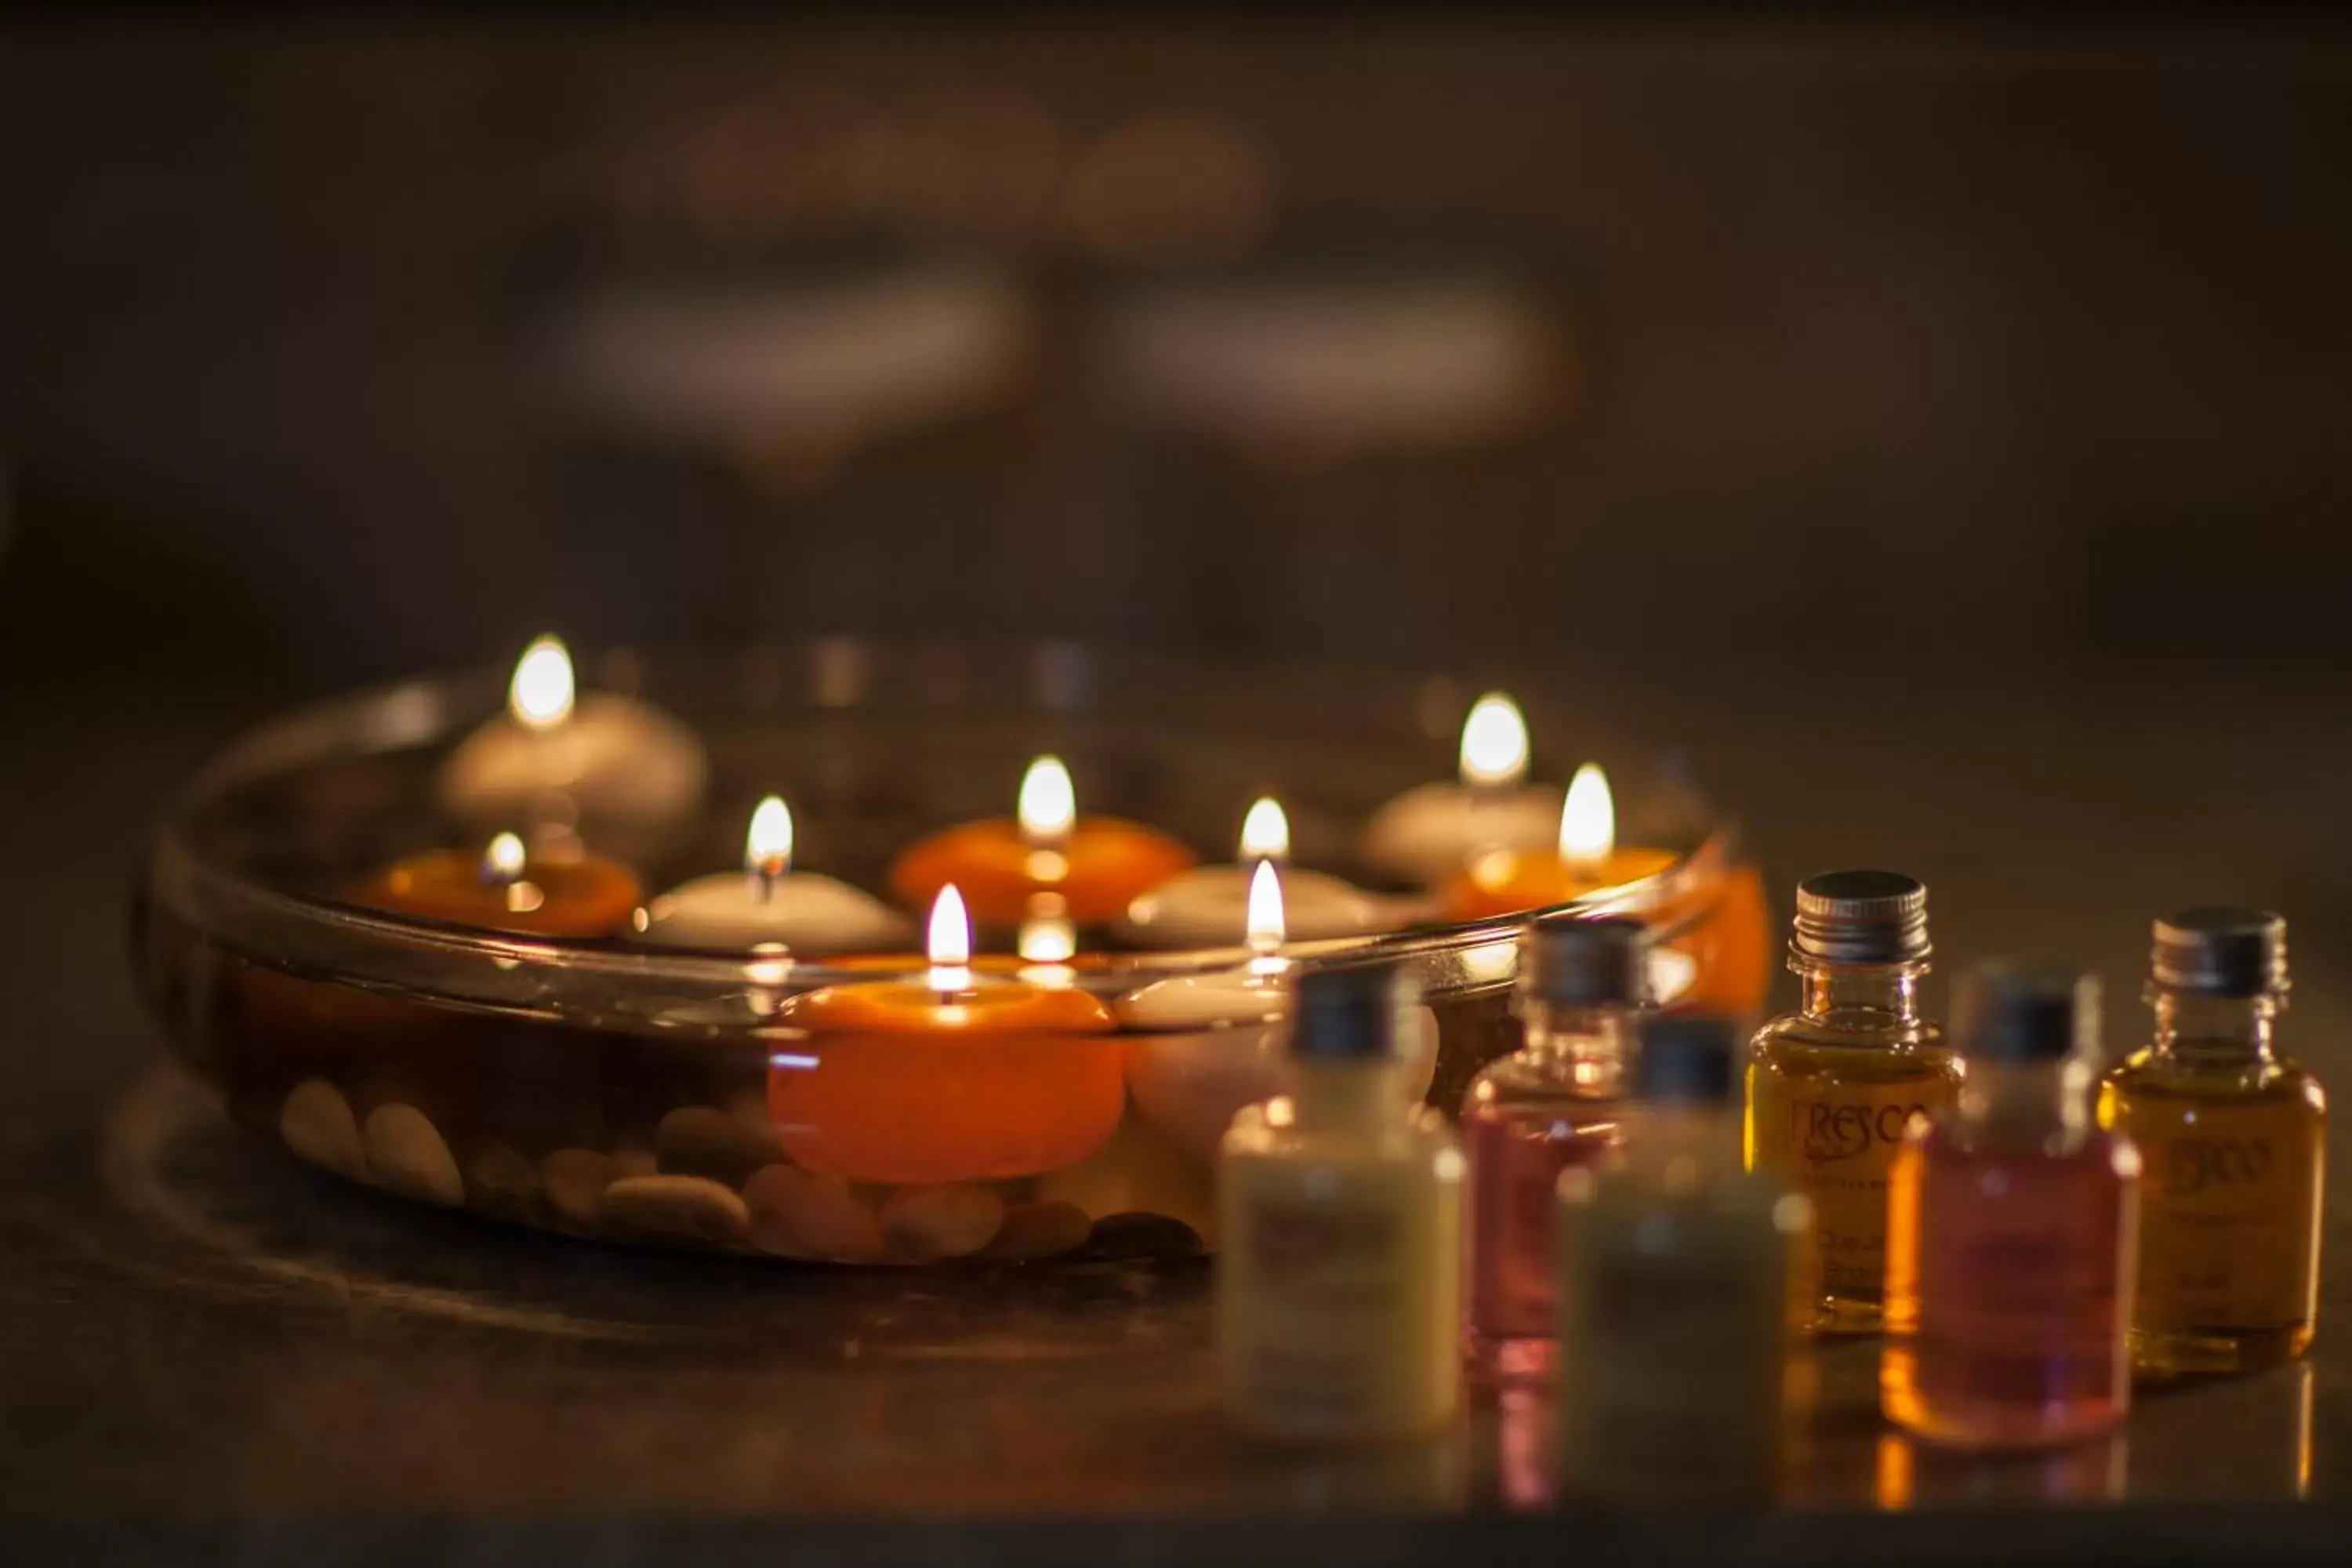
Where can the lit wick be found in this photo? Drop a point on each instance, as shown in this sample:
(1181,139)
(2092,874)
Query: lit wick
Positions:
(767,846)
(1265,928)
(948,943)
(541,694)
(1493,743)
(1265,832)
(1587,820)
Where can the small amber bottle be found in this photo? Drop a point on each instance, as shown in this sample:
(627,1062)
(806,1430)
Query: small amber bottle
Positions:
(2011,1233)
(1833,1086)
(2233,1136)
(1674,1306)
(1340,1285)
(1549,1105)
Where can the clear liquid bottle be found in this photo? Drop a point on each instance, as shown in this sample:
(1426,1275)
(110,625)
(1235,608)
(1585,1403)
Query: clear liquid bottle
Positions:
(2011,1232)
(1675,1308)
(1339,1287)
(2232,1136)
(1833,1086)
(1552,1104)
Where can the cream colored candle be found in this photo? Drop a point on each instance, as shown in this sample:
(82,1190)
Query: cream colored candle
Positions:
(1428,833)
(768,903)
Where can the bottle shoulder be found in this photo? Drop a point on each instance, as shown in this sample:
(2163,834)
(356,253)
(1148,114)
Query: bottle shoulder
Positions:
(1420,1140)
(1865,1043)
(2153,1075)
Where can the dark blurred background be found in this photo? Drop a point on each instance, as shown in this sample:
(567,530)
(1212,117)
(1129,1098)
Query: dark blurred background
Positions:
(332,348)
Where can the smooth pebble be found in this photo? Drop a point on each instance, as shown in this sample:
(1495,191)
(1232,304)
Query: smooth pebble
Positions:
(691,1206)
(704,1140)
(408,1155)
(317,1123)
(1041,1229)
(1130,1236)
(925,1224)
(796,1212)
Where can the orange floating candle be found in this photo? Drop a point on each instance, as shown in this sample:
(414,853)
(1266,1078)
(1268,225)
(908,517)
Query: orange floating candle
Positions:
(504,890)
(1048,860)
(1586,859)
(945,1076)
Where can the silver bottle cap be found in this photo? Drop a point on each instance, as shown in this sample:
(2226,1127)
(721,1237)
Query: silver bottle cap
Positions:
(2220,952)
(1861,917)
(1349,1014)
(1687,1059)
(1568,960)
(2006,1013)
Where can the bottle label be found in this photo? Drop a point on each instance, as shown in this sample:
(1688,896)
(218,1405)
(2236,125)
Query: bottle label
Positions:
(2226,1236)
(1837,1144)
(1335,1315)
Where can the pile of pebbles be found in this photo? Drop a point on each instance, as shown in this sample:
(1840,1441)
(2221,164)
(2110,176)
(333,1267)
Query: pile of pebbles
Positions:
(716,1179)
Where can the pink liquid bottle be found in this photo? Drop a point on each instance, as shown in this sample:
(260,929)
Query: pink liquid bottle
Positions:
(1549,1106)
(2012,1225)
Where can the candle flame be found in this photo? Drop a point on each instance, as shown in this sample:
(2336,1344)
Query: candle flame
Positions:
(1265,926)
(1049,803)
(1588,822)
(949,942)
(541,694)
(1265,831)
(1493,742)
(767,846)
(503,862)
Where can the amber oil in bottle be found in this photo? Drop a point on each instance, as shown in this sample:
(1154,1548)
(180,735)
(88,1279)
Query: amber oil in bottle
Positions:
(2232,1136)
(1833,1086)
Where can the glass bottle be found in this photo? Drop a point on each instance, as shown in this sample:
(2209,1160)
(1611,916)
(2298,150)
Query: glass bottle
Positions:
(1338,1290)
(1675,1308)
(2011,1233)
(2233,1136)
(1551,1104)
(1833,1086)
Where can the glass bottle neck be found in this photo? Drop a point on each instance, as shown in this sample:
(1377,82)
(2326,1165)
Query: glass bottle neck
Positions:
(2214,1027)
(1583,1047)
(1891,991)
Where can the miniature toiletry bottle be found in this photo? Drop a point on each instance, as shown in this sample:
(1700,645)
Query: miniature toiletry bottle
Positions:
(1831,1086)
(2011,1232)
(1551,1104)
(1675,1319)
(1340,1285)
(2232,1135)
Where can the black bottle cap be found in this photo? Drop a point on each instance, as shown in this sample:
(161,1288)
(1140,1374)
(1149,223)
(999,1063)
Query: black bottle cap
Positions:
(1862,916)
(2007,1012)
(1685,1059)
(1568,961)
(2220,952)
(1349,1014)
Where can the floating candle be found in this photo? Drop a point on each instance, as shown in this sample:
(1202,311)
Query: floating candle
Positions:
(1431,831)
(504,890)
(616,769)
(768,901)
(1048,860)
(1211,1043)
(944,1076)
(1204,906)
(1585,858)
